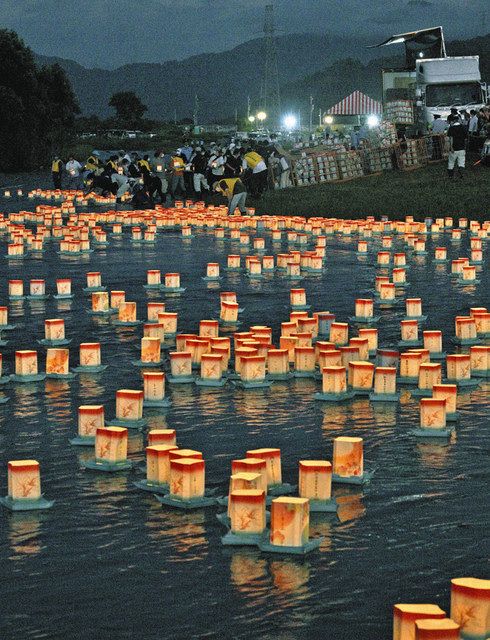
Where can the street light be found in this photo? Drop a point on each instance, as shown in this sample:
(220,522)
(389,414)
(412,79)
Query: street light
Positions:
(373,121)
(290,121)
(251,118)
(261,116)
(328,119)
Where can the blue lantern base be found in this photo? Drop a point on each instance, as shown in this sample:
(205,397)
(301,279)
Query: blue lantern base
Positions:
(96,369)
(5,379)
(384,397)
(410,343)
(334,397)
(464,283)
(8,327)
(230,325)
(323,506)
(477,373)
(4,400)
(310,546)
(146,365)
(172,289)
(242,539)
(467,383)
(300,307)
(452,417)
(106,312)
(54,343)
(16,297)
(60,376)
(440,261)
(357,480)
(151,487)
(304,374)
(466,342)
(106,467)
(438,355)
(407,380)
(418,318)
(150,287)
(26,505)
(129,424)
(44,297)
(180,379)
(193,503)
(279,377)
(69,296)
(93,289)
(365,319)
(83,441)
(211,279)
(164,403)
(259,384)
(432,433)
(421,393)
(38,377)
(283,489)
(204,382)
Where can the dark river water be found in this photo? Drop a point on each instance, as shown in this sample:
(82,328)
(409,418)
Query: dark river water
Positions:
(109,562)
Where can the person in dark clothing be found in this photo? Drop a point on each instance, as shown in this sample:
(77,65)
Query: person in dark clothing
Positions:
(457,146)
(199,168)
(235,191)
(233,164)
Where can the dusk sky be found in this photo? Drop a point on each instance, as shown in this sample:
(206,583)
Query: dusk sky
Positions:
(107,33)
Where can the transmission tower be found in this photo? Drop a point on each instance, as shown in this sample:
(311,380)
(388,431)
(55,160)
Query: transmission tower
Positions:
(271,99)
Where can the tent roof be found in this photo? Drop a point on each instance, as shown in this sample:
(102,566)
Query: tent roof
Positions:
(357,104)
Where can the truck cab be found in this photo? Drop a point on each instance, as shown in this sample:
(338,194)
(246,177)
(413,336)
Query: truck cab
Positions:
(445,83)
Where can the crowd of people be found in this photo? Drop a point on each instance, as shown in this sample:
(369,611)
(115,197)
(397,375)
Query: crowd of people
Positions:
(192,171)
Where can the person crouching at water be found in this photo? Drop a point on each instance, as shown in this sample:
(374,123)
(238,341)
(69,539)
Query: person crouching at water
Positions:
(120,181)
(235,191)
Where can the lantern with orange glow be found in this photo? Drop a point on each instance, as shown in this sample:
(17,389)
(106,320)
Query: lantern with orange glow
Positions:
(432,419)
(90,418)
(405,617)
(470,607)
(24,487)
(348,461)
(180,367)
(111,450)
(315,483)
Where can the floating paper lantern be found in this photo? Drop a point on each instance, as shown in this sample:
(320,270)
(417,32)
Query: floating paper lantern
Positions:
(348,458)
(315,481)
(37,288)
(443,629)
(383,258)
(90,418)
(54,330)
(247,512)
(298,298)
(129,405)
(229,312)
(409,333)
(100,302)
(211,367)
(440,254)
(272,459)
(256,466)
(480,361)
(399,260)
(208,328)
(162,436)
(360,376)
(278,363)
(16,289)
(387,292)
(153,278)
(399,277)
(57,362)
(304,361)
(339,333)
(63,288)
(197,347)
(468,274)
(180,366)
(482,321)
(158,465)
(154,330)
(405,616)
(362,247)
(364,308)
(334,380)
(252,370)
(362,345)
(233,262)
(458,366)
(470,607)
(169,321)
(384,384)
(151,351)
(212,271)
(448,393)
(111,446)
(90,355)
(24,487)
(429,375)
(94,280)
(154,388)
(330,358)
(187,477)
(413,308)
(117,298)
(349,354)
(433,413)
(290,521)
(26,364)
(433,342)
(172,281)
(127,313)
(372,337)
(476,256)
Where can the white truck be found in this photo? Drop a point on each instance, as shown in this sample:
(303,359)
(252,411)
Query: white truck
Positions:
(434,87)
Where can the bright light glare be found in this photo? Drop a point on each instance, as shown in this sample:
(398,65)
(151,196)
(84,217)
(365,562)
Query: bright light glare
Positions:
(261,115)
(421,55)
(328,119)
(372,121)
(290,121)
(251,118)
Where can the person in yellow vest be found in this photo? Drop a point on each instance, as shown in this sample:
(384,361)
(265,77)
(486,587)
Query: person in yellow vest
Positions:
(57,171)
(91,167)
(177,168)
(254,164)
(235,191)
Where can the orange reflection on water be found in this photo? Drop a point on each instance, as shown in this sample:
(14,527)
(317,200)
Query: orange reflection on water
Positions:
(23,534)
(24,403)
(350,505)
(320,526)
(290,577)
(433,455)
(186,532)
(245,570)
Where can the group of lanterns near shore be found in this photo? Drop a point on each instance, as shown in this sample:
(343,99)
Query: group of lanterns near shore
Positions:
(317,346)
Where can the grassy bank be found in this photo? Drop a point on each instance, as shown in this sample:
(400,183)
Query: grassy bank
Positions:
(421,193)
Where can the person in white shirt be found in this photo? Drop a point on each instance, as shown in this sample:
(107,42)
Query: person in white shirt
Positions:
(473,133)
(439,125)
(73,169)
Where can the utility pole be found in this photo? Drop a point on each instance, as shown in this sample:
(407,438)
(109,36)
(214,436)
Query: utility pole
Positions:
(271,99)
(320,117)
(248,107)
(312,108)
(196,109)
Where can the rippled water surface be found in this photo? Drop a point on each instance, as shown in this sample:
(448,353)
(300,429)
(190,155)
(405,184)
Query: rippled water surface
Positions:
(109,561)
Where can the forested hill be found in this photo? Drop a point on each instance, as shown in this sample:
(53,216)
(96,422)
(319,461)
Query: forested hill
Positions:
(309,64)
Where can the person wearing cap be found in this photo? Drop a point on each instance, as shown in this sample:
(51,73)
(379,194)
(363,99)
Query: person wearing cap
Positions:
(235,191)
(57,171)
(255,164)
